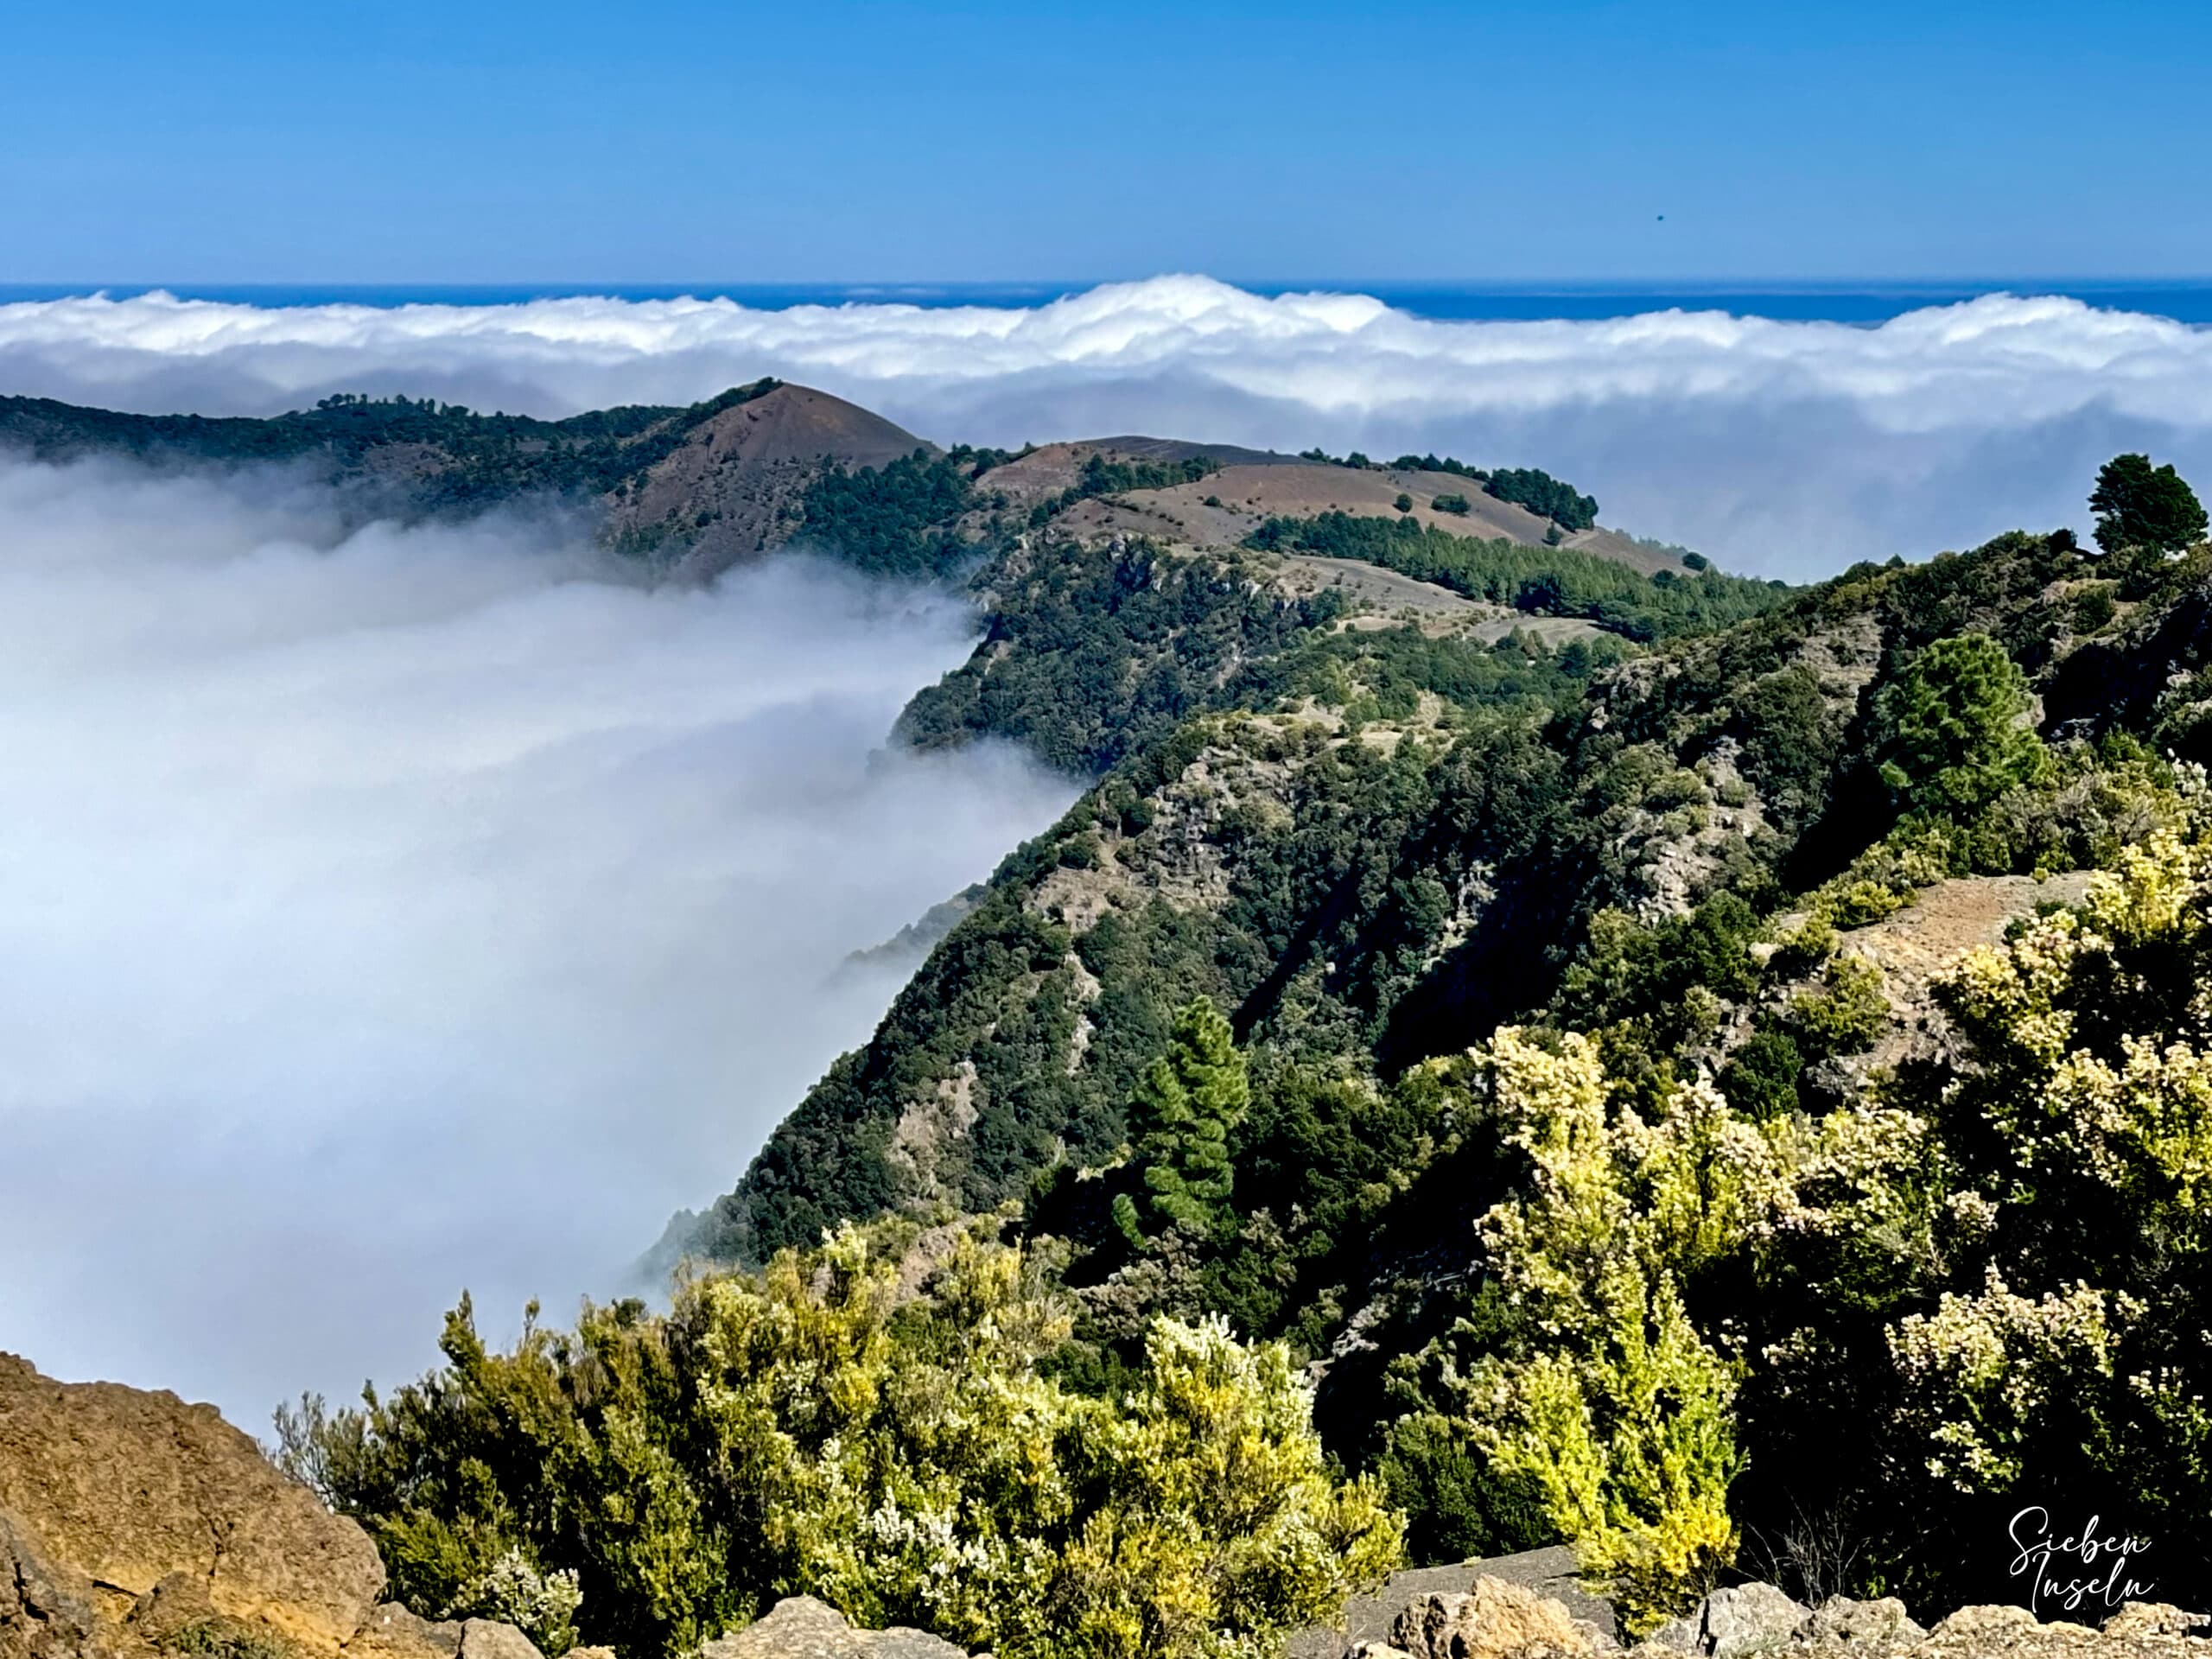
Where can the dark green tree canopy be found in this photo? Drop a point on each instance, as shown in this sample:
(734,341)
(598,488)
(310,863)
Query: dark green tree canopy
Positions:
(2140,505)
(1954,740)
(1180,1119)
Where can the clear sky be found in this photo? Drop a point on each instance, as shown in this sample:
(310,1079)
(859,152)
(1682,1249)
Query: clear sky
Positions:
(469,141)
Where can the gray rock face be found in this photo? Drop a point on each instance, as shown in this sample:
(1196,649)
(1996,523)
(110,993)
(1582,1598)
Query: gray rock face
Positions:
(392,1633)
(487,1638)
(1743,1619)
(1843,1622)
(46,1612)
(802,1628)
(1984,1623)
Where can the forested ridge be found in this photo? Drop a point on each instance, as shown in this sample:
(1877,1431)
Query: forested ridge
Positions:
(1713,1074)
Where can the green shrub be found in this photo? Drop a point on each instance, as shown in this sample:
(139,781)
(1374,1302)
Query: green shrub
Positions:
(1846,1014)
(2092,608)
(1760,1079)
(824,1428)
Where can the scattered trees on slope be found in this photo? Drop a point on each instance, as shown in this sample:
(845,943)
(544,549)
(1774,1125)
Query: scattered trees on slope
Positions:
(1551,582)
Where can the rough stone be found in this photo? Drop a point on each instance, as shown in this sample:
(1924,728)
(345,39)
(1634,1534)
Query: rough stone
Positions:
(802,1628)
(132,1525)
(486,1638)
(2140,1618)
(46,1612)
(126,1488)
(1843,1622)
(1494,1620)
(391,1632)
(1744,1618)
(1984,1620)
(178,1603)
(1551,1571)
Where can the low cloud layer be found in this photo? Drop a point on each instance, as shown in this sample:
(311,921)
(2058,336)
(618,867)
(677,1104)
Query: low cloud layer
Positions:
(1789,448)
(388,912)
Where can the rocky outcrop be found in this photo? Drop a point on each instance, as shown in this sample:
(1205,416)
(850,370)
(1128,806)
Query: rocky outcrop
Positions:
(1494,1620)
(1744,1619)
(128,1488)
(1550,1575)
(802,1628)
(1501,1614)
(1860,1626)
(132,1524)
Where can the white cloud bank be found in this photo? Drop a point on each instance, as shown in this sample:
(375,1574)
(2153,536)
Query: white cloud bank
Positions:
(387,914)
(1787,447)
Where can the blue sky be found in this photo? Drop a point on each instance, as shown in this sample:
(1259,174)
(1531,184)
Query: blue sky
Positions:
(239,141)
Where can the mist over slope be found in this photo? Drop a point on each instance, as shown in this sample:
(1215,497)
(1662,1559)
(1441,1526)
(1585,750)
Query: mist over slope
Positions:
(395,911)
(1786,448)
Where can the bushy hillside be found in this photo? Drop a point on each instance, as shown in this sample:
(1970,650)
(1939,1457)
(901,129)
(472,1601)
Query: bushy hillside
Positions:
(1594,1059)
(1391,842)
(1524,1051)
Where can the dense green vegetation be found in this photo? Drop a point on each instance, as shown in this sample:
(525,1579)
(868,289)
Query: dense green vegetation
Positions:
(1664,1265)
(466,460)
(828,1427)
(1181,1114)
(1549,582)
(1541,493)
(1525,1043)
(894,520)
(1092,654)
(1432,463)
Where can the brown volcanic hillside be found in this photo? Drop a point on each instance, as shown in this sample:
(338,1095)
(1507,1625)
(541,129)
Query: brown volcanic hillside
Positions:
(1254,485)
(732,488)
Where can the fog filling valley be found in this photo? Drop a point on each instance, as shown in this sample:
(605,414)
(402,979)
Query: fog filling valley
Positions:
(1784,448)
(388,912)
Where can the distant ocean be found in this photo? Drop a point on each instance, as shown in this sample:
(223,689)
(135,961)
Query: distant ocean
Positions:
(1866,303)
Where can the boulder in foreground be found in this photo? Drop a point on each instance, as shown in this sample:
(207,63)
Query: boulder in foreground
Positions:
(134,1524)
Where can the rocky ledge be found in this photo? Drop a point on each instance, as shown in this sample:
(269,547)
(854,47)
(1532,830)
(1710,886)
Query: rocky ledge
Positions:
(133,1524)
(1505,1614)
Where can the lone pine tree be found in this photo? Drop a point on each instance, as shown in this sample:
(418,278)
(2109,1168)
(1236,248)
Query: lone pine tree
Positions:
(2140,505)
(1184,1108)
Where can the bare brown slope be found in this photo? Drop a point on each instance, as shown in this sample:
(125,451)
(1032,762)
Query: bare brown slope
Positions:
(733,487)
(1254,485)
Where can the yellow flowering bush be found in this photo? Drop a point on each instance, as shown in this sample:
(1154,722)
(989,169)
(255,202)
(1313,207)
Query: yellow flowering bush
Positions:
(873,1427)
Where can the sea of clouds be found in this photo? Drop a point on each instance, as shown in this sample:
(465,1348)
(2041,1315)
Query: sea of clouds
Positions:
(387,911)
(1787,449)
